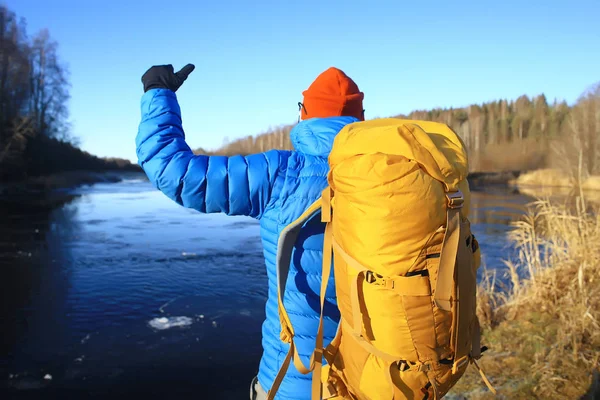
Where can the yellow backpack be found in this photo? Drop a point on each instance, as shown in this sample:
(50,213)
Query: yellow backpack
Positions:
(405,265)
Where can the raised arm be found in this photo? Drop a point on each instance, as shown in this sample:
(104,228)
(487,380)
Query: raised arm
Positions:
(238,185)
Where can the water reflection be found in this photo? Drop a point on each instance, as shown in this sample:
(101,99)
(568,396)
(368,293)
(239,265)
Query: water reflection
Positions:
(498,205)
(34,282)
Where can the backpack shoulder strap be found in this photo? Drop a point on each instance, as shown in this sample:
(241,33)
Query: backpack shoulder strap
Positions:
(285,246)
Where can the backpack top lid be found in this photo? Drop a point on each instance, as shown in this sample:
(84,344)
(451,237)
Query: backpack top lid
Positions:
(434,146)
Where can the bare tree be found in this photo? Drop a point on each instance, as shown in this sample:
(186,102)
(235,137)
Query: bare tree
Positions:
(49,87)
(14,70)
(584,124)
(577,150)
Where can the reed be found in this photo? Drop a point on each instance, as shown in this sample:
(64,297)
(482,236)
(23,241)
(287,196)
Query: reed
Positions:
(543,328)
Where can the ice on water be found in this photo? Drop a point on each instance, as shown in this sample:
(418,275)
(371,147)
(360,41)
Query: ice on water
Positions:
(163,323)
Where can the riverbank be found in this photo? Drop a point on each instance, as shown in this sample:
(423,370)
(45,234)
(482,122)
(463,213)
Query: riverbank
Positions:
(492,178)
(554,178)
(42,171)
(544,329)
(72,179)
(57,187)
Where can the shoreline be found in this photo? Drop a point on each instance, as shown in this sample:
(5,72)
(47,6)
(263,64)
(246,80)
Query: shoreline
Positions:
(59,185)
(57,188)
(551,178)
(492,178)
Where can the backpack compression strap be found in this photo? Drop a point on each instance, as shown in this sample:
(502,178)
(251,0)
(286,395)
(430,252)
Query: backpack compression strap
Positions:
(445,280)
(446,271)
(285,245)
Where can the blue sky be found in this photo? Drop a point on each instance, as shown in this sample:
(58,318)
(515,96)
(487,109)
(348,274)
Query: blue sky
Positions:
(254,58)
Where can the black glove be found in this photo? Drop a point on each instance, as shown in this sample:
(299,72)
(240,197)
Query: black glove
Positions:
(163,77)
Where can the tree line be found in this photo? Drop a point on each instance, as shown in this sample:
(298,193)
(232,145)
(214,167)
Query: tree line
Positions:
(34,91)
(503,135)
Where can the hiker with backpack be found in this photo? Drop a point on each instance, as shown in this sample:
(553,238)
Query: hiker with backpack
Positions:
(274,187)
(384,203)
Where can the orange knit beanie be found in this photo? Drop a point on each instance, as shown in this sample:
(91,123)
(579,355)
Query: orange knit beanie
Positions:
(332,94)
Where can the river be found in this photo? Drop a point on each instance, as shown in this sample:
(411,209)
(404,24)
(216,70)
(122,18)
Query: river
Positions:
(121,292)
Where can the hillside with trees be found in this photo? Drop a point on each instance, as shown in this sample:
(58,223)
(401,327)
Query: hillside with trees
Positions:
(34,91)
(522,134)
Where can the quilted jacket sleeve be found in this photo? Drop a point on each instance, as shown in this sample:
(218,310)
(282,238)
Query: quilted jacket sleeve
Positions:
(238,185)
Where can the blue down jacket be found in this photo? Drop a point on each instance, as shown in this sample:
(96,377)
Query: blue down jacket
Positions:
(274,187)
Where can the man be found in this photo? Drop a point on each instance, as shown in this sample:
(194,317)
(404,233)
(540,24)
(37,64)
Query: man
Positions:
(274,187)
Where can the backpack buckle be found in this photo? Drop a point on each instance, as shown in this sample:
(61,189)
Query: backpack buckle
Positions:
(455,199)
(403,366)
(369,277)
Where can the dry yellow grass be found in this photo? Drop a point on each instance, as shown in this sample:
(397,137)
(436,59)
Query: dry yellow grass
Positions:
(565,194)
(544,177)
(591,183)
(555,178)
(543,331)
